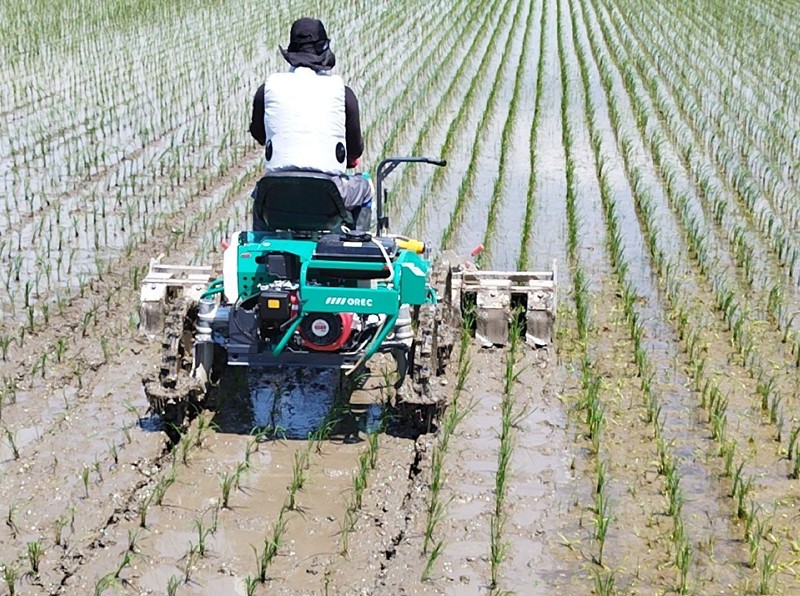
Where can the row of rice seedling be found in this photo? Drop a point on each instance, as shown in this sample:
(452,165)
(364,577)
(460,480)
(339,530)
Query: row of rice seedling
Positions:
(758,352)
(499,189)
(509,418)
(429,108)
(742,183)
(392,117)
(741,489)
(436,509)
(466,191)
(467,100)
(522,259)
(745,188)
(587,282)
(668,467)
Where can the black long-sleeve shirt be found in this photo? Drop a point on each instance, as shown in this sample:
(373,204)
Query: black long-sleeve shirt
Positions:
(354,141)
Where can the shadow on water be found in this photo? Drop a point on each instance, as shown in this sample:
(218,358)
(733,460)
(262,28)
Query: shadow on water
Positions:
(297,403)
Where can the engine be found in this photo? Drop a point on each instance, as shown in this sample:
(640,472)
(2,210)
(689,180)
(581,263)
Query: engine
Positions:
(279,303)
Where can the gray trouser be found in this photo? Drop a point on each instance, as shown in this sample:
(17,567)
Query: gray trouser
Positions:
(357,193)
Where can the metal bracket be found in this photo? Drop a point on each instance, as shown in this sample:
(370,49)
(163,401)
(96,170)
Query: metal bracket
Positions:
(497,293)
(162,284)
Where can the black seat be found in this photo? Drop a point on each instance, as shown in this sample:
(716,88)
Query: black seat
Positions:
(300,201)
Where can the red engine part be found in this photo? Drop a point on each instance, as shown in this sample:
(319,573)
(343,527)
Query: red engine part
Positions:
(326,332)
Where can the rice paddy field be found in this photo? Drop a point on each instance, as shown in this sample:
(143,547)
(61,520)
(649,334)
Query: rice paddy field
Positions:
(652,149)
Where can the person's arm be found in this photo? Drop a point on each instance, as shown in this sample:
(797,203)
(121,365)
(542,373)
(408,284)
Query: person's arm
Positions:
(352,128)
(257,119)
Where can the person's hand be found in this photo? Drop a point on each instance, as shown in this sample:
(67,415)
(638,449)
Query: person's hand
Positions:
(352,163)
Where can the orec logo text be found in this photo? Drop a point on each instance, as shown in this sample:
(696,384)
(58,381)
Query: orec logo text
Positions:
(342,301)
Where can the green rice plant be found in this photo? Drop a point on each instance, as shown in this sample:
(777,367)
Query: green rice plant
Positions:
(298,480)
(226,482)
(372,449)
(674,493)
(142,508)
(360,479)
(764,389)
(12,442)
(35,552)
(604,583)
(434,555)
(185,446)
(753,547)
(498,548)
(85,480)
(346,525)
(172,585)
(769,567)
(435,514)
(202,535)
(10,576)
(190,559)
(5,343)
(683,556)
(204,425)
(741,493)
(728,451)
(249,448)
(774,409)
(58,530)
(272,545)
(163,485)
(602,520)
(250,585)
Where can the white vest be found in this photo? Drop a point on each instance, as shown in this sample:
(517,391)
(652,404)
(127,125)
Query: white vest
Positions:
(304,121)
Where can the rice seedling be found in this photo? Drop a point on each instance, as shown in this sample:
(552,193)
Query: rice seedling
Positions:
(202,535)
(226,482)
(602,520)
(498,548)
(10,576)
(11,437)
(35,551)
(190,559)
(604,583)
(767,570)
(682,561)
(250,585)
(163,484)
(299,467)
(372,449)
(360,479)
(272,545)
(172,585)
(434,555)
(85,480)
(142,508)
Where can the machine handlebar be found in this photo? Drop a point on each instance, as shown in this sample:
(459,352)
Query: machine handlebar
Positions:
(385,168)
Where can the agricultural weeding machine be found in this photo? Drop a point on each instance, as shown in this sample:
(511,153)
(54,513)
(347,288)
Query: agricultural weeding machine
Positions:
(314,292)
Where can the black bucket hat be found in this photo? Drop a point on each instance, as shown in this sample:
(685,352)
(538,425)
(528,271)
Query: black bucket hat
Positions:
(309,46)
